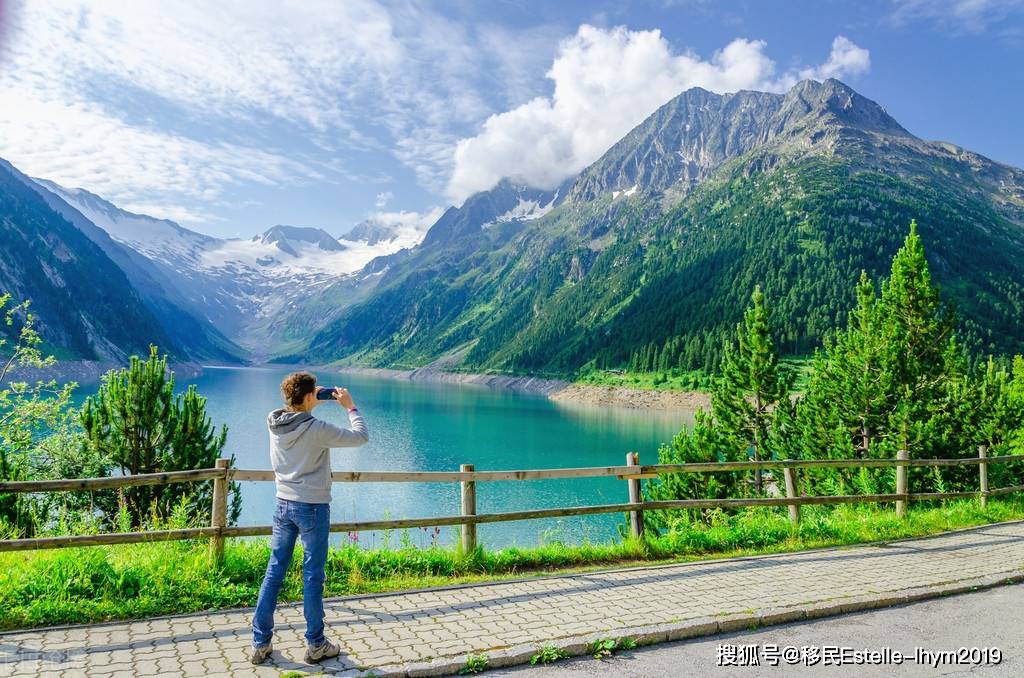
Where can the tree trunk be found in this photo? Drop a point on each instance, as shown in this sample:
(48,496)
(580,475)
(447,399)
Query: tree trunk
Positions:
(757,442)
(865,439)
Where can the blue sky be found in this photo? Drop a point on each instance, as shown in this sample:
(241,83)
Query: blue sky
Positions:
(235,116)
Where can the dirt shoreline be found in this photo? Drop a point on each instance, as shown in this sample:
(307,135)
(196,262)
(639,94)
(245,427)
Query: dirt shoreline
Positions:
(633,398)
(557,390)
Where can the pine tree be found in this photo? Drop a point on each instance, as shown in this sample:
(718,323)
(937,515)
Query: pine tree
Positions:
(918,328)
(751,383)
(845,409)
(988,411)
(1016,397)
(131,418)
(703,443)
(196,444)
(136,421)
(896,378)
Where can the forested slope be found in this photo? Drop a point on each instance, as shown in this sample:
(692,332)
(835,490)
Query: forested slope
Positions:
(647,269)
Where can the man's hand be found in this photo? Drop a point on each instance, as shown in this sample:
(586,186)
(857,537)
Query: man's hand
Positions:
(343,398)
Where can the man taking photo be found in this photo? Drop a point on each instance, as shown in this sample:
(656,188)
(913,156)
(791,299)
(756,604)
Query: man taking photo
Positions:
(300,447)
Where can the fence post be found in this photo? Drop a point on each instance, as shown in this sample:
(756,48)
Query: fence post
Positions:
(983,476)
(636,518)
(219,512)
(901,484)
(794,509)
(468,509)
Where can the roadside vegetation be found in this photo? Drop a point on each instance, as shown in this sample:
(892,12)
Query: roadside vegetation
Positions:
(894,378)
(134,423)
(98,583)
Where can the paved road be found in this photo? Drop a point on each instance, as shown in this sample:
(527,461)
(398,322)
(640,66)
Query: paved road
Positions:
(392,634)
(992,619)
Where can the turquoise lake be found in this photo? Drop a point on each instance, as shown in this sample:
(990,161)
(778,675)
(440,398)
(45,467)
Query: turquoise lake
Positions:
(417,426)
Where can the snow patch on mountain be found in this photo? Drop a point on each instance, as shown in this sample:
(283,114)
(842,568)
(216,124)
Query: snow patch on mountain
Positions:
(525,210)
(158,239)
(240,282)
(285,238)
(626,193)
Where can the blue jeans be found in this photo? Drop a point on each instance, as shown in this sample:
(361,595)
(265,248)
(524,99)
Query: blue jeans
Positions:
(293,519)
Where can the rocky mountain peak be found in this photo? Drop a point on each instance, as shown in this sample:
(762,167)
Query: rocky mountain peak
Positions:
(833,103)
(370,232)
(507,201)
(691,136)
(287,237)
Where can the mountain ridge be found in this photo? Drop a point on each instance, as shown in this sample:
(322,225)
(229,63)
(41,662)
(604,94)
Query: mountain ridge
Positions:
(85,305)
(232,291)
(649,251)
(514,303)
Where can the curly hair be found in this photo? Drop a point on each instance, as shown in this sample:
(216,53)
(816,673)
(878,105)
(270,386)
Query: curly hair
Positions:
(296,386)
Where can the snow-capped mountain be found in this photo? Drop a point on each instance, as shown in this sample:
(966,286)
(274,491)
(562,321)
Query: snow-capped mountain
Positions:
(83,302)
(158,239)
(391,231)
(238,284)
(290,238)
(506,203)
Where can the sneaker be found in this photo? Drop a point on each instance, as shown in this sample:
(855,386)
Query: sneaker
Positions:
(325,650)
(260,654)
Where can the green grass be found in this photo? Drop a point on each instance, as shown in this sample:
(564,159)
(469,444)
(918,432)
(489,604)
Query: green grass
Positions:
(39,588)
(673,380)
(679,380)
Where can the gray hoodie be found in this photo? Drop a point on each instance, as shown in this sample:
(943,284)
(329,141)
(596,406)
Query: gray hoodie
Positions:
(300,452)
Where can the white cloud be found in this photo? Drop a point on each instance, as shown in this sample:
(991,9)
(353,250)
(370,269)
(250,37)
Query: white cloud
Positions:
(958,16)
(409,221)
(383,198)
(73,79)
(170,104)
(406,230)
(605,83)
(231,58)
(77,144)
(845,59)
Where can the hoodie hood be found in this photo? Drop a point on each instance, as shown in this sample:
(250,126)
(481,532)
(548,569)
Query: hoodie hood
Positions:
(288,426)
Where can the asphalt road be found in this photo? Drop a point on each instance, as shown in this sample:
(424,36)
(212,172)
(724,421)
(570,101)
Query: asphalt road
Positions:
(986,619)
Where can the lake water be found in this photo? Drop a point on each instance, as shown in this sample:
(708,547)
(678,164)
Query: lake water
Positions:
(416,426)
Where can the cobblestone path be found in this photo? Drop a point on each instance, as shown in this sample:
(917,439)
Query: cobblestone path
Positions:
(431,631)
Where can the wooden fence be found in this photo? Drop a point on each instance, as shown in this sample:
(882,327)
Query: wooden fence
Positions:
(632,472)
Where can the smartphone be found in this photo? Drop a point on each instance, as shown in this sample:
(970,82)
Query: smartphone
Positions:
(325,393)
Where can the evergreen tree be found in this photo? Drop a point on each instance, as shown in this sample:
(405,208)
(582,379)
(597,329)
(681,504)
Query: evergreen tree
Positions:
(1016,397)
(196,444)
(751,383)
(990,412)
(897,378)
(704,443)
(136,420)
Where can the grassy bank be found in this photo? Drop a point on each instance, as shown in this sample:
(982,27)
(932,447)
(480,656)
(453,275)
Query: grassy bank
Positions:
(119,582)
(680,380)
(673,380)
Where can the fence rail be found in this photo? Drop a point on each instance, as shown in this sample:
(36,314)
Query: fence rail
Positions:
(632,472)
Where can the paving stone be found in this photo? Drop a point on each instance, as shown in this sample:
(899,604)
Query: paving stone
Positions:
(429,632)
